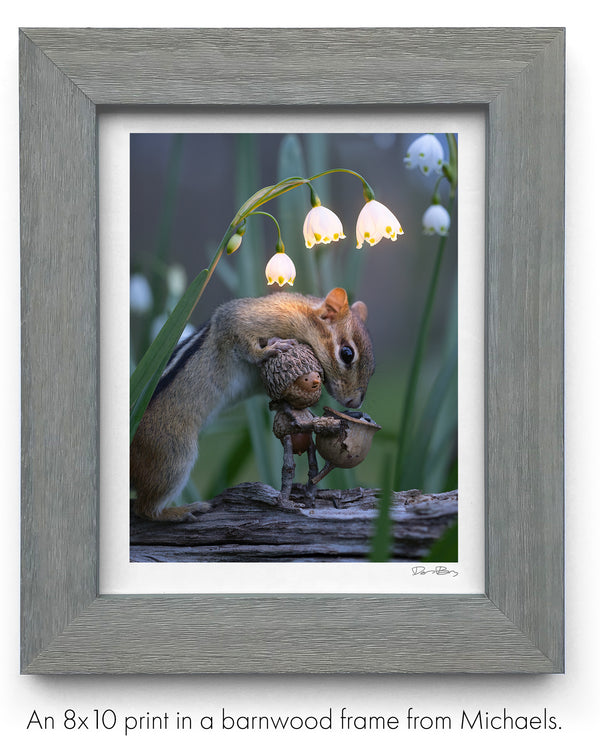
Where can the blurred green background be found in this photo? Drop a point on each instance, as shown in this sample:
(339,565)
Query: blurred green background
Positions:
(186,188)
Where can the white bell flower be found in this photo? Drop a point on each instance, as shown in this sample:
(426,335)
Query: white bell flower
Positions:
(374,222)
(322,226)
(140,294)
(427,153)
(280,269)
(436,220)
(176,280)
(176,285)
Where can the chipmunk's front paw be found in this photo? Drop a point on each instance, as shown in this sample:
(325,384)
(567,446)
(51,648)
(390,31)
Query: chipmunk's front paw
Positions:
(184,513)
(275,346)
(197,509)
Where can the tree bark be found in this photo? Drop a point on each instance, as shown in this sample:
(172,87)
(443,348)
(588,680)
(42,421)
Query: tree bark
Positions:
(245,524)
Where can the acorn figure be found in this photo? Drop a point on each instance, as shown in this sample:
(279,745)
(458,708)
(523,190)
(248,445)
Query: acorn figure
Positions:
(293,380)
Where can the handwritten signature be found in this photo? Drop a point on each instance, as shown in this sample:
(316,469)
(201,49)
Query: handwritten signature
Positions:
(439,570)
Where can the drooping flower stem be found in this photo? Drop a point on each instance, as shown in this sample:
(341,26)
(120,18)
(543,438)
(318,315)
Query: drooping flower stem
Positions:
(279,245)
(368,191)
(274,191)
(450,169)
(435,198)
(315,201)
(417,361)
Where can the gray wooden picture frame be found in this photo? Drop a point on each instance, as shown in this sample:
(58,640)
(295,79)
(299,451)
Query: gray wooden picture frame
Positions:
(66,77)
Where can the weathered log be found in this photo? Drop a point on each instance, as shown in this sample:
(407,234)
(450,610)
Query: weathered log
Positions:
(245,524)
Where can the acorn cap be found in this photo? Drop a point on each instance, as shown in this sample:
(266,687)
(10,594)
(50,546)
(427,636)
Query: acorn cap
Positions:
(348,447)
(281,370)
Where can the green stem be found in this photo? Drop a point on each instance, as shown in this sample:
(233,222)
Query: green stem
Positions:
(264,213)
(213,263)
(450,170)
(435,199)
(382,543)
(315,201)
(413,378)
(274,191)
(367,189)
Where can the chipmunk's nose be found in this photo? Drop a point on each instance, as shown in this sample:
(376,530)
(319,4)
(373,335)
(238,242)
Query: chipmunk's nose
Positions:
(356,401)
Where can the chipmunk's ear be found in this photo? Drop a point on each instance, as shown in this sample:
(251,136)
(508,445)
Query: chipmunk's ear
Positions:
(360,309)
(336,303)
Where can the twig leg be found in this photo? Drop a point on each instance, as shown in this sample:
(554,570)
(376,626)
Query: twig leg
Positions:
(287,472)
(313,470)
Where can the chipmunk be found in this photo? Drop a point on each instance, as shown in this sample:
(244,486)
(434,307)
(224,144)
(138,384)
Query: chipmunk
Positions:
(217,366)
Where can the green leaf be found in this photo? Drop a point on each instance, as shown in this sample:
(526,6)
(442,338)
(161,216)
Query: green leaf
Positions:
(355,260)
(262,440)
(445,549)
(252,203)
(240,452)
(413,474)
(382,541)
(266,194)
(410,396)
(147,374)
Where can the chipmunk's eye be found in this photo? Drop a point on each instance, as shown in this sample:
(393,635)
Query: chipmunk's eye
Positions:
(346,354)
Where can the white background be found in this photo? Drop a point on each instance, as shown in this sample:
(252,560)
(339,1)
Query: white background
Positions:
(573,697)
(116,574)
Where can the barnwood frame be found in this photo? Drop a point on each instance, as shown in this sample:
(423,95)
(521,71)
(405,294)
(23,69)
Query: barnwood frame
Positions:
(66,77)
